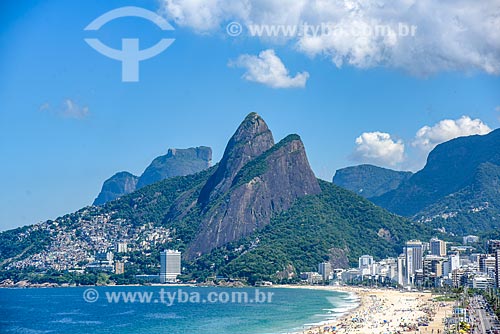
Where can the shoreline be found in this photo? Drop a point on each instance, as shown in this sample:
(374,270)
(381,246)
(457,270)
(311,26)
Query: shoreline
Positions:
(382,310)
(362,310)
(342,316)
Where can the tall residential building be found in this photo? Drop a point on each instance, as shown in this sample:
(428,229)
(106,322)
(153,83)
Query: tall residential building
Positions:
(387,269)
(325,270)
(170,265)
(487,263)
(433,266)
(426,247)
(365,261)
(456,277)
(366,265)
(119,267)
(401,269)
(476,257)
(493,245)
(453,263)
(497,268)
(414,261)
(438,247)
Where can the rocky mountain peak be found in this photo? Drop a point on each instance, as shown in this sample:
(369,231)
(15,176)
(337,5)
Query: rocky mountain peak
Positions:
(120,184)
(251,139)
(265,186)
(202,152)
(177,162)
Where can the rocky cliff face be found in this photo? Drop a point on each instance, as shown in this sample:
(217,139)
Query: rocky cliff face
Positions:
(368,180)
(251,139)
(177,162)
(254,181)
(120,184)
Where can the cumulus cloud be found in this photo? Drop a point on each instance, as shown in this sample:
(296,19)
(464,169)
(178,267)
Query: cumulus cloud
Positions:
(459,35)
(429,137)
(268,69)
(68,109)
(379,148)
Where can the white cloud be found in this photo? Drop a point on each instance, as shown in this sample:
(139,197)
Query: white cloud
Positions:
(459,35)
(429,137)
(497,109)
(202,15)
(72,110)
(268,69)
(379,148)
(68,109)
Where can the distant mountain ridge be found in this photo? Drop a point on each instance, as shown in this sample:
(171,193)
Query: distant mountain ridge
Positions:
(177,162)
(368,180)
(458,188)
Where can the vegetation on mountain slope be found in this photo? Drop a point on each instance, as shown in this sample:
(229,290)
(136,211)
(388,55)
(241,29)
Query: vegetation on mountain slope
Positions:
(305,235)
(368,180)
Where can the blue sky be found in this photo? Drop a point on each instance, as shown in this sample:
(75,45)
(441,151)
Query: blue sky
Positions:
(67,122)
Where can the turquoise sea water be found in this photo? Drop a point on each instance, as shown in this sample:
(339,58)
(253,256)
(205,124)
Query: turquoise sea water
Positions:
(64,310)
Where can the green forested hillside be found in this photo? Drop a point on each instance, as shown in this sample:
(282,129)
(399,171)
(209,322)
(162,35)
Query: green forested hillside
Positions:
(336,225)
(451,167)
(475,209)
(368,180)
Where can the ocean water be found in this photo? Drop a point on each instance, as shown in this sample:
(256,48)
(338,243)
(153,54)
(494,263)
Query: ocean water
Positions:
(181,310)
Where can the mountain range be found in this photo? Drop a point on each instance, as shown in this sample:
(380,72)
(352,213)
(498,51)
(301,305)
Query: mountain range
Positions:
(260,213)
(458,189)
(177,162)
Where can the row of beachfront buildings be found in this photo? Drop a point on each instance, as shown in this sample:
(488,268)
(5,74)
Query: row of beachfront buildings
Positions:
(423,264)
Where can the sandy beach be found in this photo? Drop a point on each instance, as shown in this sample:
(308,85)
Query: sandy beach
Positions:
(386,311)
